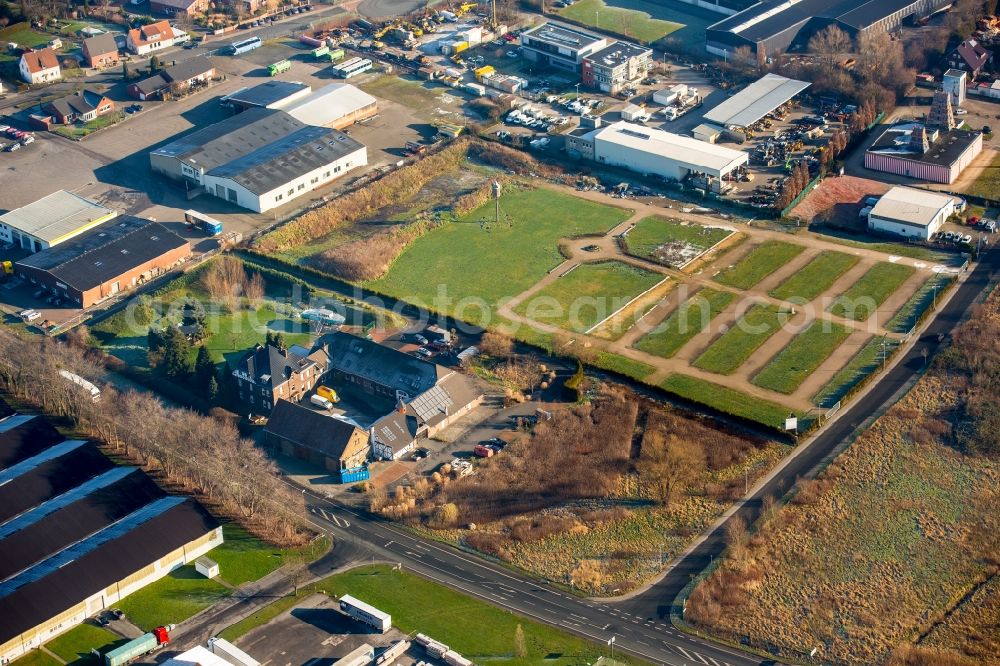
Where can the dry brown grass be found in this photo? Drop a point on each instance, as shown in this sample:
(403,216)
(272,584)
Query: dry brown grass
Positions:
(369,258)
(890,545)
(838,200)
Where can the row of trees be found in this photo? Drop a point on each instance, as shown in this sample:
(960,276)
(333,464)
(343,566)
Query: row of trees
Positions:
(793,185)
(198,454)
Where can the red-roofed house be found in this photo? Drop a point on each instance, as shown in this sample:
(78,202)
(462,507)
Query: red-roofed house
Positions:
(154,37)
(41,66)
(970,56)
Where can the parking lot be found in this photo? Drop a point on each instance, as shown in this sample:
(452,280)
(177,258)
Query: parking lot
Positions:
(317,634)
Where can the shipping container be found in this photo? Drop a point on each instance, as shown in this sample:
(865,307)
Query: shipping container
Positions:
(361,656)
(138,647)
(453,658)
(475,89)
(354,475)
(484,71)
(231,653)
(423,640)
(362,612)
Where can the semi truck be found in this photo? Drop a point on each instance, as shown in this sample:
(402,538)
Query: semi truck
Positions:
(279,67)
(138,647)
(209,225)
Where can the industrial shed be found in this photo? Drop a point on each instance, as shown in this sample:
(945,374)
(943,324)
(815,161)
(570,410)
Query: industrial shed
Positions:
(924,153)
(912,213)
(259,159)
(756,101)
(109,259)
(770,27)
(337,105)
(652,151)
(51,220)
(79,533)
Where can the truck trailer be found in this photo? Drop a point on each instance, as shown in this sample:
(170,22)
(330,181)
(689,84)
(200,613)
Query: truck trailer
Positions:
(361,656)
(231,653)
(138,647)
(366,614)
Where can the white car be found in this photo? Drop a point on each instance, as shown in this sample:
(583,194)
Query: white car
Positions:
(28,139)
(4,128)
(30,315)
(961,112)
(513,54)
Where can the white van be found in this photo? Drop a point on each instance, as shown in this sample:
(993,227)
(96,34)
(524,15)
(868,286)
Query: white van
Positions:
(29,315)
(320,401)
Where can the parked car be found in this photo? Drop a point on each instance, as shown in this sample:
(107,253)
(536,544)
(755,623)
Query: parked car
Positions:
(420,453)
(28,139)
(12,147)
(513,54)
(419,339)
(425,352)
(966,239)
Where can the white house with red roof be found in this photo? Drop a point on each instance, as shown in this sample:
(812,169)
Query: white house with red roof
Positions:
(41,66)
(153,37)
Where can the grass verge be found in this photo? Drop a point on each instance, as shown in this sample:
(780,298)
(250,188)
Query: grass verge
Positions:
(863,298)
(815,277)
(74,647)
(914,309)
(689,319)
(861,365)
(243,558)
(763,260)
(172,599)
(736,345)
(802,356)
(727,400)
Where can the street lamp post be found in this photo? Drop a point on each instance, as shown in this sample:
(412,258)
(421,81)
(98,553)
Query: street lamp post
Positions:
(612,644)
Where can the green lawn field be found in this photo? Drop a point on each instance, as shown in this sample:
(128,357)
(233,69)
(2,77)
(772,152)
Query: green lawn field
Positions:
(802,356)
(624,366)
(689,319)
(671,242)
(866,361)
(243,558)
(74,647)
(727,400)
(763,260)
(587,295)
(477,630)
(815,277)
(465,269)
(988,183)
(22,35)
(862,299)
(736,345)
(36,658)
(631,23)
(172,599)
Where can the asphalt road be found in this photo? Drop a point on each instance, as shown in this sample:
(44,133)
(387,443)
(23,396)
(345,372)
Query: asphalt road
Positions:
(641,625)
(647,637)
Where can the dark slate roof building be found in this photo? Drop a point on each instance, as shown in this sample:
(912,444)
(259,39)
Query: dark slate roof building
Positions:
(771,27)
(311,435)
(380,370)
(105,260)
(266,95)
(78,533)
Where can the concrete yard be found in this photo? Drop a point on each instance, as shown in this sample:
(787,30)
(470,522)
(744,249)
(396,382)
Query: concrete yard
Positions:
(317,634)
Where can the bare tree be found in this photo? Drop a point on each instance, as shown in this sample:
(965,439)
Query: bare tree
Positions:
(668,466)
(830,42)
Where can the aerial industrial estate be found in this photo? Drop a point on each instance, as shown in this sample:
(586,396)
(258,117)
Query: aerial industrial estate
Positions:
(467,333)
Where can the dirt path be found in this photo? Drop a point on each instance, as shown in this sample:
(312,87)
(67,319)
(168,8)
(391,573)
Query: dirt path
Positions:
(607,248)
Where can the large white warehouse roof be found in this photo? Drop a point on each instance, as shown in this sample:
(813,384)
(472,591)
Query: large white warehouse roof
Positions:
(692,154)
(910,205)
(756,101)
(328,104)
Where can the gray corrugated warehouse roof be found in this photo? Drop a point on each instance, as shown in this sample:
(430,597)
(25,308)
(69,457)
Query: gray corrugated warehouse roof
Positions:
(269,167)
(270,93)
(756,101)
(54,216)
